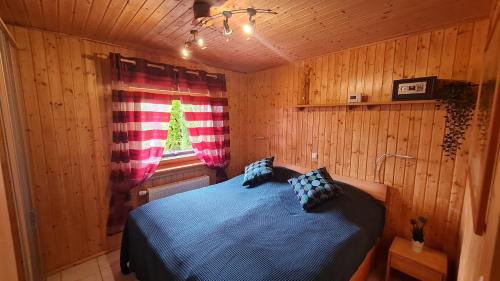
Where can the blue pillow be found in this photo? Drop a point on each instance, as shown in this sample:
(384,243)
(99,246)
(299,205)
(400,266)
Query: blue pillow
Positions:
(258,172)
(314,188)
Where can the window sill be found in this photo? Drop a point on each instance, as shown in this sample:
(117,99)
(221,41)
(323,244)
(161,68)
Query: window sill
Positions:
(176,164)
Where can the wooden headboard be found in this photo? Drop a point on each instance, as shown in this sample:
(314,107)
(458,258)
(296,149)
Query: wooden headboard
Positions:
(377,190)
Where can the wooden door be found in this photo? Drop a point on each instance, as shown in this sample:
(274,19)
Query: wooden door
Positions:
(15,172)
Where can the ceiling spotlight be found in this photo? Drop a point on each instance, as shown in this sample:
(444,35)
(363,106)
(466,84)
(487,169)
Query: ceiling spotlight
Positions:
(227,29)
(186,51)
(249,27)
(198,41)
(201,43)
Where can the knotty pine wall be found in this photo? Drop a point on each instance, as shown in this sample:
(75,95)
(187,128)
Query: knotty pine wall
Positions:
(349,140)
(67,99)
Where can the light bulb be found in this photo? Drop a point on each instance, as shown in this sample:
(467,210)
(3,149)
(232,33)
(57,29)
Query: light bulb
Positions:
(248,28)
(201,43)
(185,53)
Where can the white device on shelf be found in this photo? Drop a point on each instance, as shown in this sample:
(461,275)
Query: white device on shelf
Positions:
(357,97)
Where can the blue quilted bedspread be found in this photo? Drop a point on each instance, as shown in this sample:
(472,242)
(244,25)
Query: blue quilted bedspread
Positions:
(228,232)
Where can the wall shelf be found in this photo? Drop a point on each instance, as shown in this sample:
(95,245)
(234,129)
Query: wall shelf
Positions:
(368,104)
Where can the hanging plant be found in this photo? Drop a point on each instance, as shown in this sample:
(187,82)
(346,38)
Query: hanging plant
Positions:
(459,100)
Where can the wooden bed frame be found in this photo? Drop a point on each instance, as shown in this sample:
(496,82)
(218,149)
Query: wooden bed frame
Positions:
(377,190)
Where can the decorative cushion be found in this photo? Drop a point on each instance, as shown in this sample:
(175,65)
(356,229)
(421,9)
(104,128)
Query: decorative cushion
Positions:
(258,172)
(314,188)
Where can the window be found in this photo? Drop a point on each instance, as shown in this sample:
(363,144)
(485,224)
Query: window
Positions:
(178,144)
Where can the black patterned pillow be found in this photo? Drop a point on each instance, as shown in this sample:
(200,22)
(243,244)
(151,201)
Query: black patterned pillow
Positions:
(314,188)
(258,172)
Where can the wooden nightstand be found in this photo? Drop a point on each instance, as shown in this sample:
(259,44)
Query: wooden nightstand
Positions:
(429,265)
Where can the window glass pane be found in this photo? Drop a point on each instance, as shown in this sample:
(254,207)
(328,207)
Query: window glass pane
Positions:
(178,139)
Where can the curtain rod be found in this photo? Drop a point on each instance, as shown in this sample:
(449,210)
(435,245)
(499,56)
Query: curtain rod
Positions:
(161,67)
(157,91)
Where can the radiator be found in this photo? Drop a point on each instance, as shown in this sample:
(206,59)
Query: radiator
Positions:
(161,191)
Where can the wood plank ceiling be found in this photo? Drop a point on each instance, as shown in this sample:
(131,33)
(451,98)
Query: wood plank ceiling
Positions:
(302,28)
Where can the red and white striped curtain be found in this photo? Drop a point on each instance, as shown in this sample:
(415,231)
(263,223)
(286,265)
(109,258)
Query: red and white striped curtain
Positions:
(140,129)
(207,122)
(141,118)
(207,117)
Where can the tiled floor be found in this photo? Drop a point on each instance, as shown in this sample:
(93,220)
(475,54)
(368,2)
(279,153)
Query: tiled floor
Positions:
(103,268)
(107,268)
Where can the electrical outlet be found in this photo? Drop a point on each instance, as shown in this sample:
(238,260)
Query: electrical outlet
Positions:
(314,156)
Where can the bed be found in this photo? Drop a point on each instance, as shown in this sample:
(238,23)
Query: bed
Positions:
(228,232)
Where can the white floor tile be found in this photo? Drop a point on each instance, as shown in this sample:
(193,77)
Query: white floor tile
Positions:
(110,268)
(88,271)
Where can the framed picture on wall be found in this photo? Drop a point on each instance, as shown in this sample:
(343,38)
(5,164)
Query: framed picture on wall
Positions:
(486,131)
(421,88)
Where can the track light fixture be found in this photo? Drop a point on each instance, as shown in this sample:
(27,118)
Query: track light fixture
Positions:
(193,40)
(203,17)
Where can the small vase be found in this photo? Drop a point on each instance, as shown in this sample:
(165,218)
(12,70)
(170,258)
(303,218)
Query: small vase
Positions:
(417,246)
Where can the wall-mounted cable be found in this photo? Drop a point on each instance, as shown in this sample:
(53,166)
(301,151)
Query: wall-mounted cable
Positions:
(382,157)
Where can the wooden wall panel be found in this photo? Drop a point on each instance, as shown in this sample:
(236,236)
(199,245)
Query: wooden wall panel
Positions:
(67,99)
(349,140)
